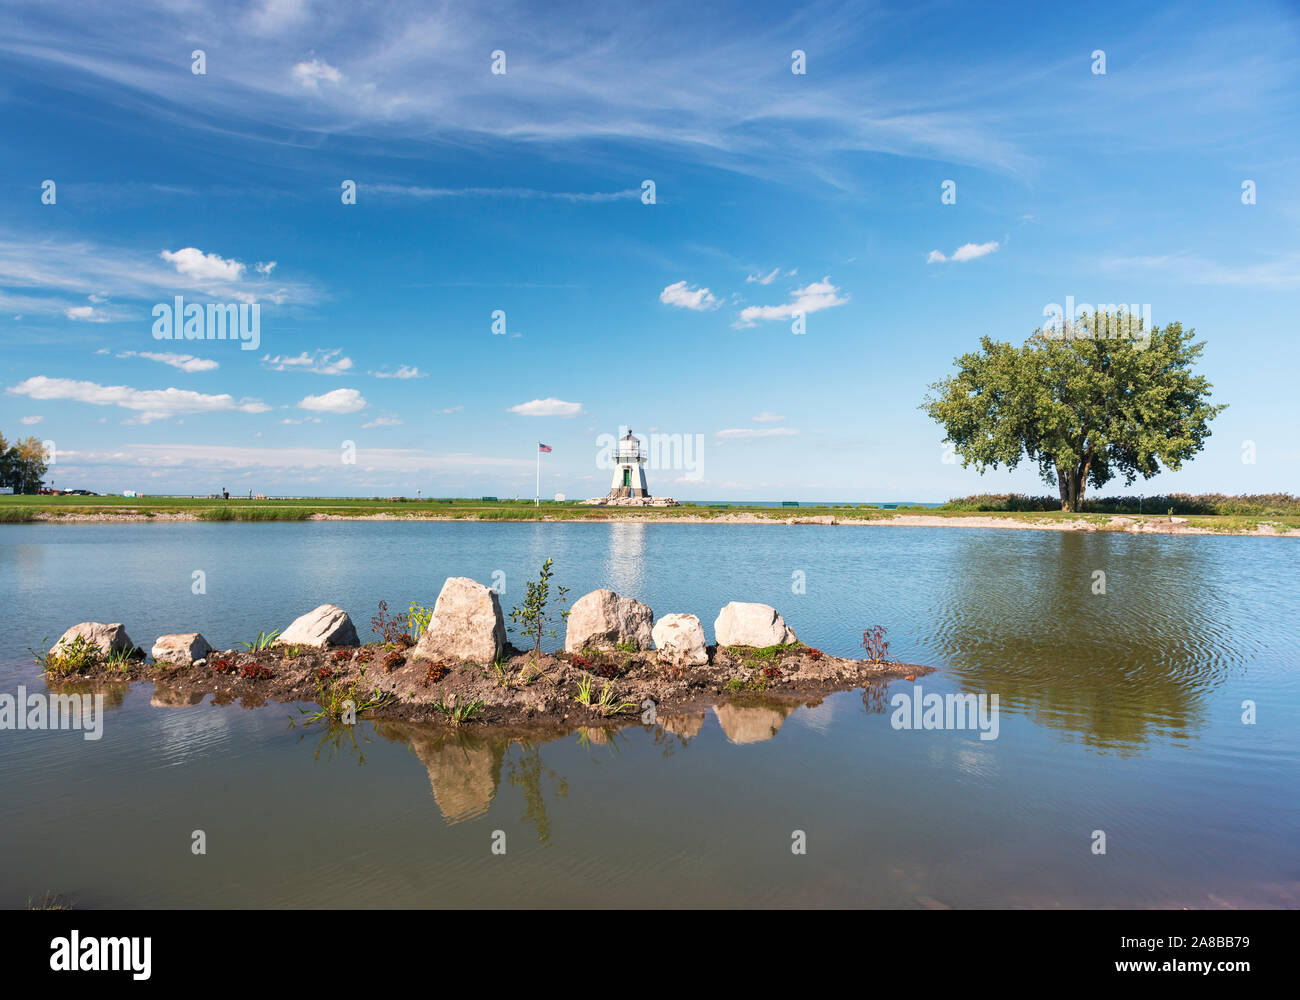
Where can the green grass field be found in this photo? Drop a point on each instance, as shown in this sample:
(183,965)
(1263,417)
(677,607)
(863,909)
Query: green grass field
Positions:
(27,509)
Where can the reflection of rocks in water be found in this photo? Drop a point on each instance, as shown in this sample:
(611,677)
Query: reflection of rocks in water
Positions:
(751,723)
(164,697)
(464,777)
(685,725)
(464,770)
(114,694)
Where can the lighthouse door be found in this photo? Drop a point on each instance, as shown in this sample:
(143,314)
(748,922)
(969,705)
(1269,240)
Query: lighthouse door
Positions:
(627,477)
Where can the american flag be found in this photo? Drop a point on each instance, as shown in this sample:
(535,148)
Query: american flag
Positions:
(543,447)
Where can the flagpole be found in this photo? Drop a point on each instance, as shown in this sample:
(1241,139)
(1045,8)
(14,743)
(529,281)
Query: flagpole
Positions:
(538,501)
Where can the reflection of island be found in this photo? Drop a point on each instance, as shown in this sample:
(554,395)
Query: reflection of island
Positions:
(751,723)
(1021,617)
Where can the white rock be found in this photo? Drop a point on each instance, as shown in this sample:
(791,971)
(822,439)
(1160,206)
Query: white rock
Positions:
(466,624)
(103,638)
(761,625)
(604,620)
(680,640)
(181,648)
(328,625)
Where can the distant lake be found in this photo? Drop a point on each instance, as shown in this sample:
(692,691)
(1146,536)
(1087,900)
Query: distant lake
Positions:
(1120,712)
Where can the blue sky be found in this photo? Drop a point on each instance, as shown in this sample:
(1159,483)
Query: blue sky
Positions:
(477,191)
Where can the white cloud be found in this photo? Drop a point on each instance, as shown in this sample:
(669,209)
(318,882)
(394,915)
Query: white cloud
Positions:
(745,433)
(321,363)
(303,420)
(403,371)
(765,279)
(32,420)
(338,401)
(80,312)
(965,252)
(194,263)
(382,422)
(149,404)
(184,362)
(548,407)
(768,418)
(688,298)
(265,267)
(310,74)
(450,409)
(813,297)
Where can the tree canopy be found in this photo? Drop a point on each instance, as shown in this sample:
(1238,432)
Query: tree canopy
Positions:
(1084,409)
(22,464)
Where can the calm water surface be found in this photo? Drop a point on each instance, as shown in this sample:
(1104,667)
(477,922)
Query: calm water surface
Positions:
(1120,712)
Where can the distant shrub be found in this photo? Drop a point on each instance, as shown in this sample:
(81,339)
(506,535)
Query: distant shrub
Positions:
(1244,505)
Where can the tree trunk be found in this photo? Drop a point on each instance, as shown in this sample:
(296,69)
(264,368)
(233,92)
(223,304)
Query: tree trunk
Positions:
(1063,484)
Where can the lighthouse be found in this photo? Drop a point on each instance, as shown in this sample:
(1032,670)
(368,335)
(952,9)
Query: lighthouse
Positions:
(629,469)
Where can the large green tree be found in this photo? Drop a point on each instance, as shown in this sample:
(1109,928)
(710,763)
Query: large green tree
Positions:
(1084,408)
(22,464)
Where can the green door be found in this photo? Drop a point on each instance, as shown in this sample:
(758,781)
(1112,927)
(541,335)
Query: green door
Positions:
(627,477)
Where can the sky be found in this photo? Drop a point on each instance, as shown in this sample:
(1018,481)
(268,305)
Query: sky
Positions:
(753,232)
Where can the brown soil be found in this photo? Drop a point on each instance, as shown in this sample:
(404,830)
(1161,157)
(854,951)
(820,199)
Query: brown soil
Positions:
(523,693)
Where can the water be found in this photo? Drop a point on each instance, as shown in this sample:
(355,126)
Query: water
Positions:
(1120,712)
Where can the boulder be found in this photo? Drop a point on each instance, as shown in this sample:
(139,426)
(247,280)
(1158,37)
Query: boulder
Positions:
(328,625)
(103,638)
(680,640)
(604,620)
(760,625)
(180,649)
(466,624)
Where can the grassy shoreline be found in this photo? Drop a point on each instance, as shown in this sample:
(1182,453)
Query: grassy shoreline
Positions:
(74,510)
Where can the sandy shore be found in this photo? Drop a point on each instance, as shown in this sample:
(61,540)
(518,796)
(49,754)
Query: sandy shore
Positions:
(1086,523)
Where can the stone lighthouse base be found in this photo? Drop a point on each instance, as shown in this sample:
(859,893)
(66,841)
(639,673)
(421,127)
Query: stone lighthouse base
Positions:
(630,502)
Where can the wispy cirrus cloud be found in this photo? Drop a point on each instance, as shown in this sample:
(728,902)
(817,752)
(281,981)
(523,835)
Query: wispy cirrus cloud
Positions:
(750,433)
(332,362)
(49,269)
(402,372)
(182,362)
(527,194)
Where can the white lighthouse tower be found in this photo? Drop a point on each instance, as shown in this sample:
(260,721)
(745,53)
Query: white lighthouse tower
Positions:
(629,469)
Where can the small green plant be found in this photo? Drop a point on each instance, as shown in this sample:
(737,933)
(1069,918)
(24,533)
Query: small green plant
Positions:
(417,619)
(531,620)
(608,705)
(628,647)
(583,696)
(51,902)
(74,657)
(336,696)
(264,640)
(458,714)
(121,659)
(292,652)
